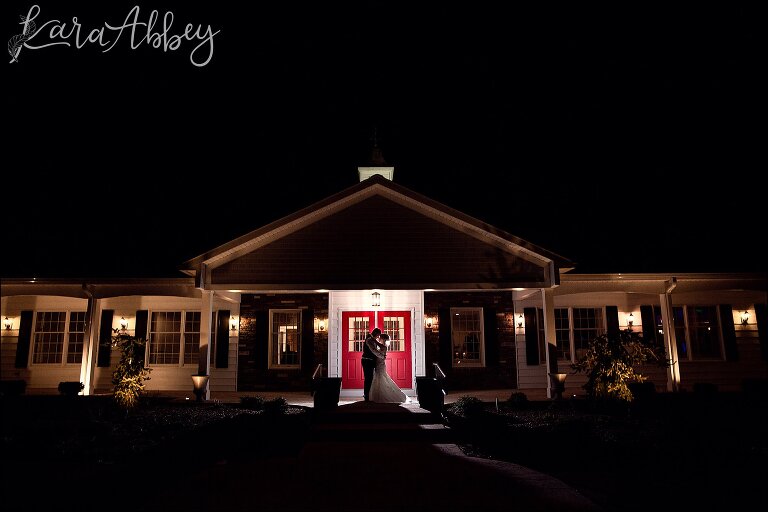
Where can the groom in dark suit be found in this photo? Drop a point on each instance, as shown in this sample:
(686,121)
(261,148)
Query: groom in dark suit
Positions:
(368,359)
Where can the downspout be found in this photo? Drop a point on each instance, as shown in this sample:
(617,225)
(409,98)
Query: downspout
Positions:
(670,337)
(86,366)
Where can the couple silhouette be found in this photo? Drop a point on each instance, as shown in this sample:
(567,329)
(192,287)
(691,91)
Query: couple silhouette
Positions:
(378,385)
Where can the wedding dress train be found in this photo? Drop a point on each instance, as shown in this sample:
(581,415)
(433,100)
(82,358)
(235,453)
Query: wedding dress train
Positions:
(383,388)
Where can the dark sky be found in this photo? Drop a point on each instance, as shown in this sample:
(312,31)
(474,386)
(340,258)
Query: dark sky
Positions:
(622,137)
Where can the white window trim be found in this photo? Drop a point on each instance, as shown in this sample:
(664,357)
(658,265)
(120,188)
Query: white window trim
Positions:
(148,354)
(299,327)
(65,347)
(481,363)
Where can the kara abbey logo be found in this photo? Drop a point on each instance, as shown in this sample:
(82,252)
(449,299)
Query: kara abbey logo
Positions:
(35,36)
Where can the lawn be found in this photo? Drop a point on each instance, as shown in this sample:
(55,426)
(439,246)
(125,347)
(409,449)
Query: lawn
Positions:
(700,451)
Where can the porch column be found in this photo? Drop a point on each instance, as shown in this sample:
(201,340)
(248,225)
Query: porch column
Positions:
(548,305)
(90,341)
(204,361)
(670,339)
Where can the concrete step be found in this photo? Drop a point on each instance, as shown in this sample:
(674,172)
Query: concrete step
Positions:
(381,432)
(362,413)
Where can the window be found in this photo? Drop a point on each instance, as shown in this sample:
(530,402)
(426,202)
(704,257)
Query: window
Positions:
(587,325)
(173,341)
(467,336)
(59,337)
(697,332)
(562,335)
(703,332)
(76,337)
(285,338)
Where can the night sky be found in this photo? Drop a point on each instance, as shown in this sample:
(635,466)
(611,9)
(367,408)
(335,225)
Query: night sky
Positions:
(622,137)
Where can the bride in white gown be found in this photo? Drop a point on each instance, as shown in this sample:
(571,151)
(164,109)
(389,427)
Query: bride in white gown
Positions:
(383,388)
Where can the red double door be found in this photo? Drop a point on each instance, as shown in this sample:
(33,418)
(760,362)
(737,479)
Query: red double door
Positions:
(355,326)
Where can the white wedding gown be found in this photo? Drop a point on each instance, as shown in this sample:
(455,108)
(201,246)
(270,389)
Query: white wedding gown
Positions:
(383,388)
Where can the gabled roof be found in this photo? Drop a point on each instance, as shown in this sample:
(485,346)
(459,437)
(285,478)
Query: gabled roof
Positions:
(431,238)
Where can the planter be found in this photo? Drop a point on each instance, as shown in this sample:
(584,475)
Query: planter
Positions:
(200,383)
(326,392)
(70,388)
(430,394)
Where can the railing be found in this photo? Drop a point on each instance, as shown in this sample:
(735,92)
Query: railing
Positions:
(316,378)
(440,376)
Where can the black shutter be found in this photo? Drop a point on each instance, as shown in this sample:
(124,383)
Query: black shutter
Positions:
(491,337)
(531,337)
(261,350)
(222,339)
(729,333)
(444,338)
(649,324)
(307,341)
(142,317)
(612,320)
(25,339)
(105,338)
(761,313)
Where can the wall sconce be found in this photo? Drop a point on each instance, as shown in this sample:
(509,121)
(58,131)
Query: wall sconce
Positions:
(123,323)
(232,324)
(8,323)
(520,321)
(428,322)
(375,299)
(745,318)
(630,321)
(321,325)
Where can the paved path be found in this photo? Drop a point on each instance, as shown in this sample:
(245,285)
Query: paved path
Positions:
(350,474)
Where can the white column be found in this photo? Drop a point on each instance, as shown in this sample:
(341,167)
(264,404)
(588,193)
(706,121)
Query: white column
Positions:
(548,305)
(670,342)
(90,344)
(204,362)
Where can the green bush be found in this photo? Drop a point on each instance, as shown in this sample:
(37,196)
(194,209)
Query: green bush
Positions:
(518,399)
(276,406)
(611,363)
(255,403)
(467,407)
(130,373)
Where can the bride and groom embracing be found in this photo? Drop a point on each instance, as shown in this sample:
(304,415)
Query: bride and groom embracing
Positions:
(378,385)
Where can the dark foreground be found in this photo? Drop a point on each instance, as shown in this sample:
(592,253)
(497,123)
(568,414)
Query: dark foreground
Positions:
(669,451)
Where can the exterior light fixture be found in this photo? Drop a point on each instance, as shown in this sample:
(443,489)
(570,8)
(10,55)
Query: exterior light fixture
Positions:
(123,323)
(375,299)
(199,382)
(745,317)
(630,321)
(321,325)
(8,323)
(428,322)
(520,321)
(232,323)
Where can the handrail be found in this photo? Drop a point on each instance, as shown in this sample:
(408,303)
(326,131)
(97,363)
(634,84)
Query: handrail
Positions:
(315,376)
(439,373)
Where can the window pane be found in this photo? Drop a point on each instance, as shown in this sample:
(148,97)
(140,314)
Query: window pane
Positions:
(467,336)
(191,337)
(49,337)
(679,321)
(165,337)
(703,330)
(357,330)
(76,337)
(587,325)
(286,336)
(562,335)
(394,326)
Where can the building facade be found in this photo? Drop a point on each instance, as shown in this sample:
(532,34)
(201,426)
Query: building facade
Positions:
(270,309)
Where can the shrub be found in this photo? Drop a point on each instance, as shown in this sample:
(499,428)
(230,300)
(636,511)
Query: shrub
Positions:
(70,388)
(518,399)
(611,362)
(130,373)
(276,406)
(255,403)
(467,407)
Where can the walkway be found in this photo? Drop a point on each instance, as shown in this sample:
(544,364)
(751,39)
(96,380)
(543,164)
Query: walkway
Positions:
(372,457)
